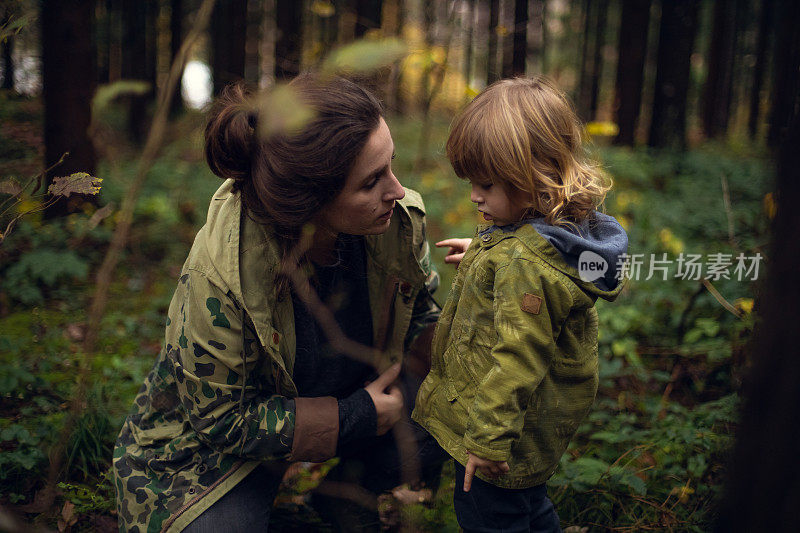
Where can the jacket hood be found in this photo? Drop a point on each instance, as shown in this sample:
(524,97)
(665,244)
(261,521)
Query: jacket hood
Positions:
(592,248)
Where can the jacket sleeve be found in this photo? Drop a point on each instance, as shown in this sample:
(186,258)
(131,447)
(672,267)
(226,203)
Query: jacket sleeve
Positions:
(425,313)
(529,309)
(217,359)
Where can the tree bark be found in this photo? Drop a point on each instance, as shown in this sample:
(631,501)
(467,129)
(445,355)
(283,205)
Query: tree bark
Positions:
(492,72)
(67,49)
(175,40)
(764,31)
(717,92)
(520,54)
(135,64)
(288,46)
(786,61)
(368,16)
(583,99)
(763,485)
(228,43)
(597,55)
(8,63)
(630,68)
(675,45)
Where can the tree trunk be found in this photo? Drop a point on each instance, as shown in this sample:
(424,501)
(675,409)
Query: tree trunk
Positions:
(630,68)
(584,96)
(717,93)
(288,46)
(763,484)
(368,16)
(8,63)
(228,43)
(675,45)
(520,54)
(492,72)
(597,55)
(175,38)
(67,49)
(764,30)
(468,46)
(135,64)
(786,61)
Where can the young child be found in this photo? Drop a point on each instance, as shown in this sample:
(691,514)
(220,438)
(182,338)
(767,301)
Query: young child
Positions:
(514,357)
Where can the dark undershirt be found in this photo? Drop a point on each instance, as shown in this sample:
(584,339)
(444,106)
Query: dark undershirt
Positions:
(318,370)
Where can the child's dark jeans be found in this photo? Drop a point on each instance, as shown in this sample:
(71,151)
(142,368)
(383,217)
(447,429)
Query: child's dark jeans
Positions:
(487,508)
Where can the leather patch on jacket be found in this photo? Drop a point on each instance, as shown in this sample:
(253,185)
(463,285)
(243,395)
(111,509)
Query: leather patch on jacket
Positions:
(531,303)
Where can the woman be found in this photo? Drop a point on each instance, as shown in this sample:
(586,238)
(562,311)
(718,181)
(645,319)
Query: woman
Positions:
(248,380)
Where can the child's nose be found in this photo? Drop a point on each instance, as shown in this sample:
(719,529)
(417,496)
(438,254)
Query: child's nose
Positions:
(474,196)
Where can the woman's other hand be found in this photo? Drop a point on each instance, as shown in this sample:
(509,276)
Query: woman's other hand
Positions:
(456,251)
(387,398)
(488,468)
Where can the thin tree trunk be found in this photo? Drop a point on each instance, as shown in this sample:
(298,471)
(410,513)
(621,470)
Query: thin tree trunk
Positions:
(8,63)
(630,68)
(368,16)
(135,64)
(520,54)
(175,39)
(675,45)
(67,49)
(492,72)
(584,84)
(764,31)
(229,41)
(785,67)
(597,55)
(468,45)
(717,93)
(288,18)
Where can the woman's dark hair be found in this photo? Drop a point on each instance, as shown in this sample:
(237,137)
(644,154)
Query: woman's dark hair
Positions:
(285,179)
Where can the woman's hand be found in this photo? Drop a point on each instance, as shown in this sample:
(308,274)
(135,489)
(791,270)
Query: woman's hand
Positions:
(456,251)
(387,398)
(487,467)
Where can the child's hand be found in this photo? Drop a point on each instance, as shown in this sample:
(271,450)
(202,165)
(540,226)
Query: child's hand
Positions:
(457,249)
(487,467)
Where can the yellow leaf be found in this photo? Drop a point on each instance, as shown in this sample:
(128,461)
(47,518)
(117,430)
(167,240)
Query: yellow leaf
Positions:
(602,129)
(501,30)
(770,205)
(322,8)
(744,304)
(670,242)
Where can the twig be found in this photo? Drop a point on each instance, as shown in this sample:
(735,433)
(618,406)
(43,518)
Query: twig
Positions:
(118,241)
(726,201)
(151,148)
(722,301)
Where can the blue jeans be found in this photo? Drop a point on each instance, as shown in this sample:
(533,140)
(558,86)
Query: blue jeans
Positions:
(245,508)
(487,508)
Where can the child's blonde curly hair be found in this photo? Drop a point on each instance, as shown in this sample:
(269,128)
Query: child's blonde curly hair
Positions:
(523,134)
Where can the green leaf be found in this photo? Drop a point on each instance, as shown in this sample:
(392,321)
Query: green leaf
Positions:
(106,93)
(364,56)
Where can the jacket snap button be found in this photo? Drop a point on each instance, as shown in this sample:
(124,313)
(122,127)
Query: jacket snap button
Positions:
(191,490)
(275,338)
(487,237)
(201,468)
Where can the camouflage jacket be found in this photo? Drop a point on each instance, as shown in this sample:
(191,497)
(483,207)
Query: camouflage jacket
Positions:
(514,357)
(220,398)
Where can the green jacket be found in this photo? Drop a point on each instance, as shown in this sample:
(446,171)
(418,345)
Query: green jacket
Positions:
(220,398)
(514,357)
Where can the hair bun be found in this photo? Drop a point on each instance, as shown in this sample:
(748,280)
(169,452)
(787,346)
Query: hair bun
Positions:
(229,136)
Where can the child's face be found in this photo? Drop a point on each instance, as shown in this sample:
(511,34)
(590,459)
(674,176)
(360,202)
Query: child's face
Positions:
(496,204)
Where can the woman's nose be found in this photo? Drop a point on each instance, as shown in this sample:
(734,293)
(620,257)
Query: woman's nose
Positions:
(395,190)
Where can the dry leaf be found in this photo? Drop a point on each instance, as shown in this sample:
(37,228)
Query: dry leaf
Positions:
(77,183)
(10,186)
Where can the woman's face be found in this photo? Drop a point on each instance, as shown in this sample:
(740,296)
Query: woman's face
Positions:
(366,203)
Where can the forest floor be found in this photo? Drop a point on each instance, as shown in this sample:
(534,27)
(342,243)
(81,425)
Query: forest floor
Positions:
(650,456)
